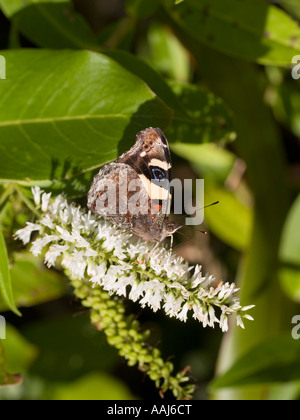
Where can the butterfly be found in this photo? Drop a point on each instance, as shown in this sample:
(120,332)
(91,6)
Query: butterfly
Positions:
(133,192)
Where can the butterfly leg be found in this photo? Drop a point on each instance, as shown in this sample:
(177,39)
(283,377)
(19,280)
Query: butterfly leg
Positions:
(171,242)
(154,248)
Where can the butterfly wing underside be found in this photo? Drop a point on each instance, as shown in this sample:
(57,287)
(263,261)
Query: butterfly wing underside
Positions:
(150,158)
(148,166)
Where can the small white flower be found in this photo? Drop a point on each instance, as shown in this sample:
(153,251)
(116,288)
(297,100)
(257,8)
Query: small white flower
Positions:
(182,315)
(75,263)
(47,221)
(79,240)
(212,316)
(36,191)
(64,216)
(45,201)
(122,283)
(24,234)
(224,322)
(137,290)
(58,204)
(172,304)
(239,321)
(65,235)
(97,272)
(89,252)
(40,243)
(247,316)
(247,308)
(53,253)
(88,221)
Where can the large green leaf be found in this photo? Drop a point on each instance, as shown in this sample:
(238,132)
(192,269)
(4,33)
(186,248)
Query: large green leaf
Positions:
(65,112)
(206,117)
(250,29)
(199,116)
(287,104)
(166,53)
(6,294)
(16,355)
(33,283)
(141,8)
(94,386)
(290,253)
(82,349)
(209,160)
(292,6)
(231,220)
(56,24)
(273,361)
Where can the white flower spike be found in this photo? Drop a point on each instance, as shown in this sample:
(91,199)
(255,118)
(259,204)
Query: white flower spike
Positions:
(91,248)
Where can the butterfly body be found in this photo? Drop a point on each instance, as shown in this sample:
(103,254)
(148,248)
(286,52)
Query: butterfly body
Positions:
(133,192)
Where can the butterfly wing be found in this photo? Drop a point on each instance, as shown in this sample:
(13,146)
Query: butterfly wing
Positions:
(148,166)
(150,158)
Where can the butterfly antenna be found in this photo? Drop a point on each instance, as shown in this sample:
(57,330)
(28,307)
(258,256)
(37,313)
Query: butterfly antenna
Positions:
(198,230)
(209,205)
(201,208)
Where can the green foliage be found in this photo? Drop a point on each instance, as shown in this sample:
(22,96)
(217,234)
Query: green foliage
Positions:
(5,278)
(290,253)
(272,361)
(141,9)
(57,111)
(57,25)
(33,283)
(14,362)
(87,388)
(252,29)
(81,81)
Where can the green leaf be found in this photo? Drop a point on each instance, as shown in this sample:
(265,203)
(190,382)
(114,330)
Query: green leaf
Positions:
(250,29)
(290,253)
(291,6)
(56,24)
(94,386)
(10,7)
(286,105)
(206,117)
(82,349)
(142,70)
(16,355)
(290,242)
(141,9)
(5,279)
(65,112)
(33,283)
(199,116)
(273,361)
(19,352)
(231,220)
(167,55)
(208,159)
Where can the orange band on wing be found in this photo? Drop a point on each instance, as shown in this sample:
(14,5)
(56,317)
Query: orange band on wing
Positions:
(157,207)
